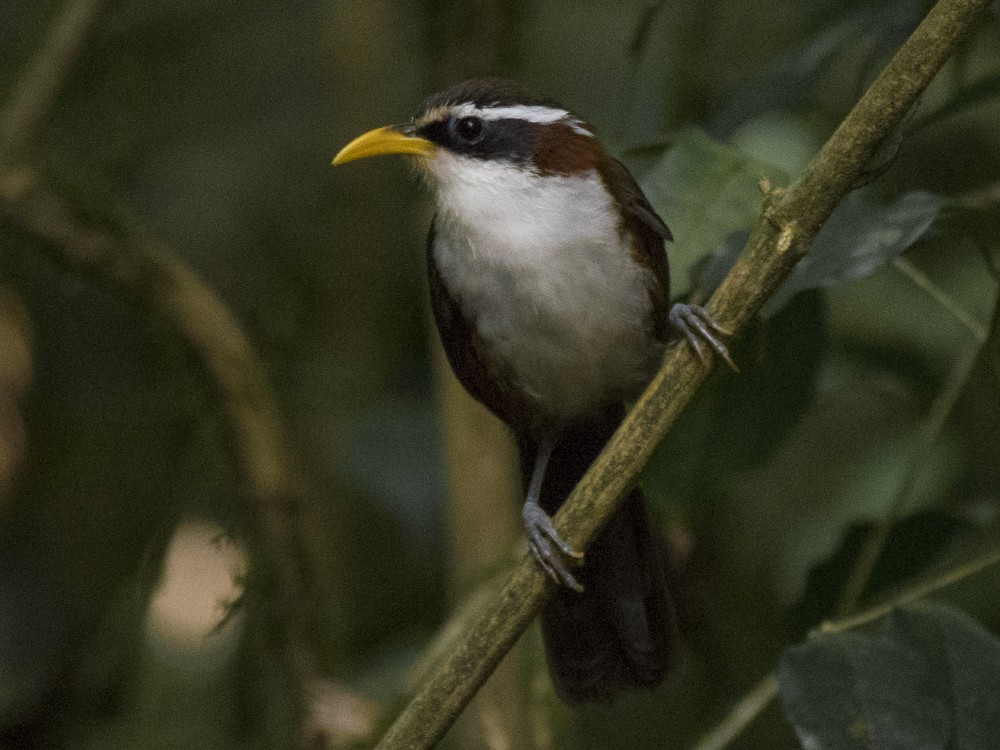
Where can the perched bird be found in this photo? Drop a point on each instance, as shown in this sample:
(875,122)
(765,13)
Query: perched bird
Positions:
(550,289)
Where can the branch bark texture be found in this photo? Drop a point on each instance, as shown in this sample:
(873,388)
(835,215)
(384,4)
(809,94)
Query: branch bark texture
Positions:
(787,226)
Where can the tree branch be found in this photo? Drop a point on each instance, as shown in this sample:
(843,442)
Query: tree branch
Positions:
(910,595)
(289,519)
(923,282)
(38,87)
(473,39)
(741,715)
(17,366)
(788,224)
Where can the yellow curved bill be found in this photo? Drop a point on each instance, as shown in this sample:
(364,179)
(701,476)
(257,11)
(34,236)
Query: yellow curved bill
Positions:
(387,140)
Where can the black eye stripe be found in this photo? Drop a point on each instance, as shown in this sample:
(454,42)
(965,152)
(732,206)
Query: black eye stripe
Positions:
(436,131)
(508,139)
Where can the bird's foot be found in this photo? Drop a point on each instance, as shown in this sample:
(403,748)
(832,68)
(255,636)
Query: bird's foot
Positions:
(548,548)
(699,327)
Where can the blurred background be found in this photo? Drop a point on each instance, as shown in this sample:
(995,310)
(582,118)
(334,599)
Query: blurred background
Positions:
(131,517)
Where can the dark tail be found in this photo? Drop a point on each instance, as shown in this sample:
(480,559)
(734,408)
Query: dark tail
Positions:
(618,633)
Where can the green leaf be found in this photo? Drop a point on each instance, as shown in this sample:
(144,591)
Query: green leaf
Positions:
(860,237)
(863,33)
(704,190)
(927,677)
(975,95)
(778,138)
(841,463)
(735,423)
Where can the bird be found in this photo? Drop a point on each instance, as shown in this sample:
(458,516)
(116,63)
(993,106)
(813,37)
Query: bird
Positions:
(550,289)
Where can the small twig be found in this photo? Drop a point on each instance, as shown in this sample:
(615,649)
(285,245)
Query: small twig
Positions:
(910,595)
(992,260)
(924,282)
(17,364)
(39,85)
(749,707)
(927,437)
(930,431)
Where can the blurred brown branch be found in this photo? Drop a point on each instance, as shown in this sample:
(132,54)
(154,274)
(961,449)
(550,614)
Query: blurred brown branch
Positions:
(16,366)
(741,715)
(293,568)
(289,515)
(37,88)
(479,38)
(781,236)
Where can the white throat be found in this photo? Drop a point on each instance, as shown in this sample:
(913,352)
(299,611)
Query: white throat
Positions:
(543,270)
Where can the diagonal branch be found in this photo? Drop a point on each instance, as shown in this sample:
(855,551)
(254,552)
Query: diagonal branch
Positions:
(17,366)
(781,236)
(39,85)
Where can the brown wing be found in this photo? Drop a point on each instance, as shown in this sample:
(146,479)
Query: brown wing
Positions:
(648,233)
(483,379)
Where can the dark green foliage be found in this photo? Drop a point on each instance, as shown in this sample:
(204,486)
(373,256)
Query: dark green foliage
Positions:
(927,677)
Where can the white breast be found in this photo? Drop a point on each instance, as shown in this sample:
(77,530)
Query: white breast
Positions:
(539,264)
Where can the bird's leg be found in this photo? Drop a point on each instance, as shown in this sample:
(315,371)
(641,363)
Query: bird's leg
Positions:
(698,326)
(545,543)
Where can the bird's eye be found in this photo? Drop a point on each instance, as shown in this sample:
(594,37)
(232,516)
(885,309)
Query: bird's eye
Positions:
(469,128)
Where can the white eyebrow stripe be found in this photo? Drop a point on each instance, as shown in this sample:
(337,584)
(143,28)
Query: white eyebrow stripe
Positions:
(528,112)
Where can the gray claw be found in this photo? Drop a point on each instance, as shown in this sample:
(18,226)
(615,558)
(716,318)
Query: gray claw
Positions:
(555,569)
(546,546)
(697,325)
